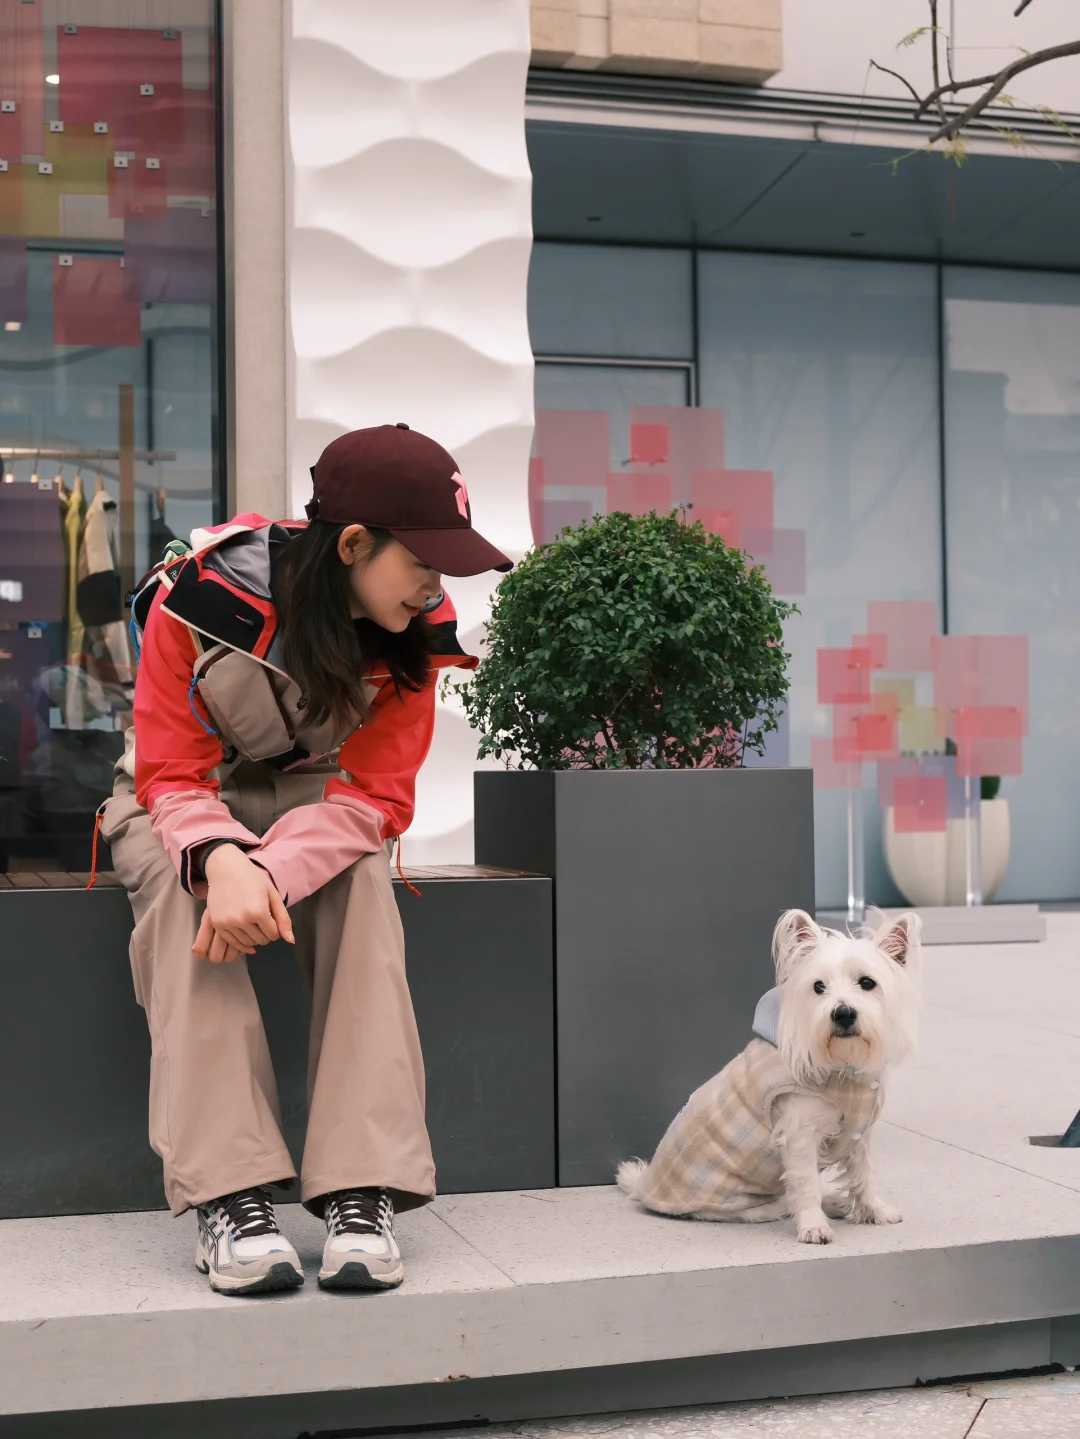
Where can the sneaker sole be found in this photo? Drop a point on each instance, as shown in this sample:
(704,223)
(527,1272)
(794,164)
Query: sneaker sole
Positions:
(280,1277)
(355,1275)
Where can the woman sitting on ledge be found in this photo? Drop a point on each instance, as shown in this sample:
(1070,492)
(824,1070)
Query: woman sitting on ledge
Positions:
(285,701)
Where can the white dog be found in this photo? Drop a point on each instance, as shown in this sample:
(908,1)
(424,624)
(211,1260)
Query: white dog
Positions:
(751,1143)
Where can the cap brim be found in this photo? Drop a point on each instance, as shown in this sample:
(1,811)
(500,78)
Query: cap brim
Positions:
(453,552)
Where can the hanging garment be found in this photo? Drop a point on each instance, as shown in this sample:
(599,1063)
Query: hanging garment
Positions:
(108,656)
(160,533)
(73,510)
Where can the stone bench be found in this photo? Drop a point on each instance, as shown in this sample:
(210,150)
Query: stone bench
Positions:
(74,1060)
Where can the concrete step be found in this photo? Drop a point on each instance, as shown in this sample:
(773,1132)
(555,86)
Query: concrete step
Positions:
(531,1290)
(107,1311)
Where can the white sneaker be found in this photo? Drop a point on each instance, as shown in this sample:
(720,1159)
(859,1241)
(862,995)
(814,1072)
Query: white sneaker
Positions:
(241,1247)
(360,1251)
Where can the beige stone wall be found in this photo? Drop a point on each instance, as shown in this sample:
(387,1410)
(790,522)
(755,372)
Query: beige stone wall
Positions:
(735,40)
(255,225)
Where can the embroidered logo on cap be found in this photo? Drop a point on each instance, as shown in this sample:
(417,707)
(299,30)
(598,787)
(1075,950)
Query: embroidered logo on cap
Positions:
(461,496)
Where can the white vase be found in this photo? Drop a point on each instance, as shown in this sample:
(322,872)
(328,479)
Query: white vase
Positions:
(930,869)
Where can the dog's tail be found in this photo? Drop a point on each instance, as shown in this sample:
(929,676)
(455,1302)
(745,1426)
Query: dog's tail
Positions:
(629,1176)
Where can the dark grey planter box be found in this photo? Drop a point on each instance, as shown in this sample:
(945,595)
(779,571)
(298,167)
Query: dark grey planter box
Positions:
(668,884)
(74,1061)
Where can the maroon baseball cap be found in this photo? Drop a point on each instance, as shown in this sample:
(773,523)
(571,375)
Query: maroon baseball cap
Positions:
(396,479)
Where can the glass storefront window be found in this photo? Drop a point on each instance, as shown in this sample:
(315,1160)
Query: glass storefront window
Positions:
(619,301)
(827,374)
(1012,430)
(814,444)
(108,307)
(572,461)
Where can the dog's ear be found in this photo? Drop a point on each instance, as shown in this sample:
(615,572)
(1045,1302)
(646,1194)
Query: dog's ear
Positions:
(794,928)
(898,937)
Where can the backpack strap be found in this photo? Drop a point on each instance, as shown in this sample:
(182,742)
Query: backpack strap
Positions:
(164,573)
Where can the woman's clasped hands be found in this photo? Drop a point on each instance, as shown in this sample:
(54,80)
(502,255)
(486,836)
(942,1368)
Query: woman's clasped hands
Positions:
(243,908)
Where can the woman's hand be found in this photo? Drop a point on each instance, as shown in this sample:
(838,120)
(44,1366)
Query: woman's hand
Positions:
(243,908)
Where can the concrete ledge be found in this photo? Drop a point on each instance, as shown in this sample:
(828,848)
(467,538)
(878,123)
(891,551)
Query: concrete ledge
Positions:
(983,924)
(108,1310)
(103,1312)
(709,1379)
(977,924)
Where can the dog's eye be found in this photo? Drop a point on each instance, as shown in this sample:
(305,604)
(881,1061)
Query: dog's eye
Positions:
(867,983)
(819,986)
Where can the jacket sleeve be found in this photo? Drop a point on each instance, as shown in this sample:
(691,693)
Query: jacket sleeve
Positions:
(359,813)
(176,751)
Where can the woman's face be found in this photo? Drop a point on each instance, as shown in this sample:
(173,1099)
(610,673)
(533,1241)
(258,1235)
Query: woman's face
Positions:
(389,588)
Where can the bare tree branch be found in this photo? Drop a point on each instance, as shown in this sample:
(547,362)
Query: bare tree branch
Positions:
(897,76)
(949,56)
(994,85)
(950,128)
(934,57)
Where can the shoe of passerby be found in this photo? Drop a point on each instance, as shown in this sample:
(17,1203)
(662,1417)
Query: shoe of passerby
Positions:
(242,1249)
(360,1251)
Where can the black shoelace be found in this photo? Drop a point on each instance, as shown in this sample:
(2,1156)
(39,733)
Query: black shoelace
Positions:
(360,1211)
(249,1213)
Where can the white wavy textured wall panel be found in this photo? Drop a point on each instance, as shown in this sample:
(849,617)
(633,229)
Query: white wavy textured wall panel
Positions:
(409,239)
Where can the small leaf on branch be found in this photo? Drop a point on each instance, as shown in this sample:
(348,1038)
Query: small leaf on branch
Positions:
(909,40)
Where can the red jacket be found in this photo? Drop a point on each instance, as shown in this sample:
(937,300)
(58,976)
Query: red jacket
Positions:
(220,595)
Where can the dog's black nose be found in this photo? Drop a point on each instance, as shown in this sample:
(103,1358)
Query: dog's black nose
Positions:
(844,1017)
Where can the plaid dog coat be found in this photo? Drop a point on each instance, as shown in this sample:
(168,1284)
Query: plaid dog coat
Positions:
(718,1157)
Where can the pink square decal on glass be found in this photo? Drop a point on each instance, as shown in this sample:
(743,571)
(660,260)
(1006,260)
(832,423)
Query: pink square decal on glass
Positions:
(920,805)
(724,523)
(785,563)
(980,722)
(878,645)
(984,671)
(909,627)
(575,446)
(536,499)
(888,772)
(650,444)
(861,734)
(759,543)
(829,773)
(875,736)
(637,493)
(886,702)
(695,440)
(843,677)
(562,514)
(977,757)
(748,492)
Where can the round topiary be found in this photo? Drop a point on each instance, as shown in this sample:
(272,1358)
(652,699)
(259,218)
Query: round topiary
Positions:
(629,643)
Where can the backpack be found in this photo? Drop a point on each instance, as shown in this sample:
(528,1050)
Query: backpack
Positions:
(142,596)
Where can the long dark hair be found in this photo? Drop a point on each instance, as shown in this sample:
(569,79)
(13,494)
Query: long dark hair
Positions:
(324,650)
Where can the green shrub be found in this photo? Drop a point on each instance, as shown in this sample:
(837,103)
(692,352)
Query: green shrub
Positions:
(630,642)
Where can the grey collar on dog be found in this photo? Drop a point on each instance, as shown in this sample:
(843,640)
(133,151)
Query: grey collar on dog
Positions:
(767,1016)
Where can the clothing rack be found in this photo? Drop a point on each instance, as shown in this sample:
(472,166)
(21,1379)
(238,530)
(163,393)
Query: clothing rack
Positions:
(31,452)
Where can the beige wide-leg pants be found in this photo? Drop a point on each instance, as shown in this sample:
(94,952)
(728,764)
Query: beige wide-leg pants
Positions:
(214,1113)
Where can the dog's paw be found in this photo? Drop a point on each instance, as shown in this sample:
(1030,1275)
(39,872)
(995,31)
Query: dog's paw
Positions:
(875,1211)
(816,1230)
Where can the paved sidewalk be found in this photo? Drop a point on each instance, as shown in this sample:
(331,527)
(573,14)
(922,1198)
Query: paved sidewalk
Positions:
(1008,1409)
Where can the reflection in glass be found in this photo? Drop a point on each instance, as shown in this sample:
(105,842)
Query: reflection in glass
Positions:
(1012,426)
(107,301)
(827,374)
